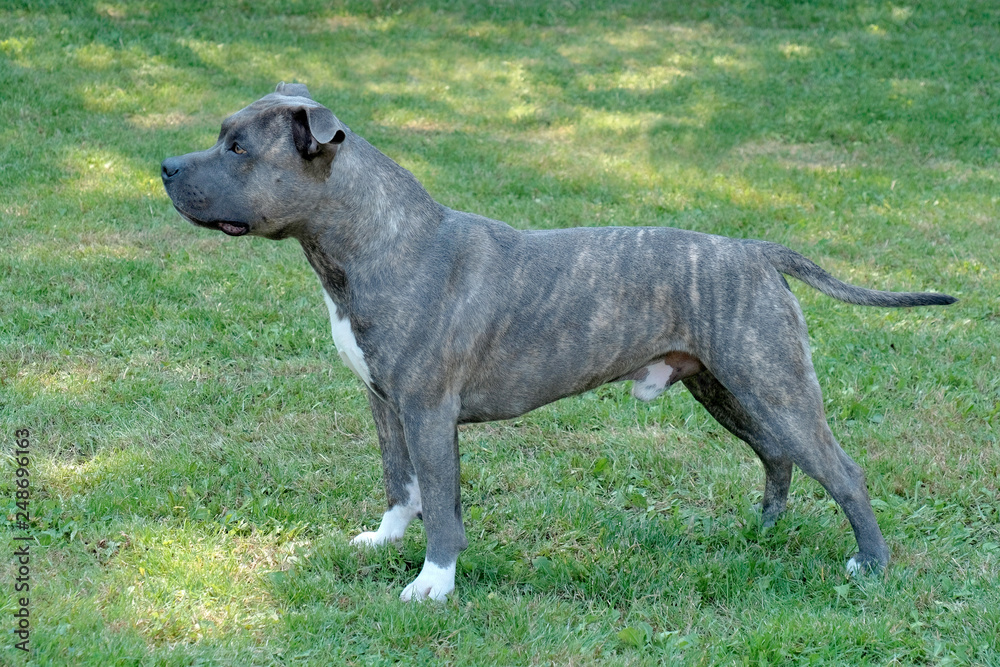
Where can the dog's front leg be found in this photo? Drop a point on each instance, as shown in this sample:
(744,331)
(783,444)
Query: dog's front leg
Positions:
(401,490)
(432,441)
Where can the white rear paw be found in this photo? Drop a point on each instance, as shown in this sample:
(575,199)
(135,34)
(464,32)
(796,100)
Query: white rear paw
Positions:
(433,583)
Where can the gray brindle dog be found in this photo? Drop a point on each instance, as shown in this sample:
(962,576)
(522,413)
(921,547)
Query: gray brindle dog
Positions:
(450,318)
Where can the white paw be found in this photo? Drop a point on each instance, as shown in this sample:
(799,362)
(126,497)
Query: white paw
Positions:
(433,582)
(394,522)
(369,539)
(853,567)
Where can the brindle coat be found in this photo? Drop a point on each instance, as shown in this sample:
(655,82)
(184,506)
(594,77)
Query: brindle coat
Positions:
(450,318)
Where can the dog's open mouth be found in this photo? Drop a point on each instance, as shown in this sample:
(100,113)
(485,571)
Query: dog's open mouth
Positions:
(229,227)
(234,228)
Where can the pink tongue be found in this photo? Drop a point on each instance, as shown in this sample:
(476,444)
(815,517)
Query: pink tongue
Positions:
(231,229)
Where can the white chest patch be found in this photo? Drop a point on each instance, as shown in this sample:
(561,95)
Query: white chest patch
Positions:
(347,345)
(657,379)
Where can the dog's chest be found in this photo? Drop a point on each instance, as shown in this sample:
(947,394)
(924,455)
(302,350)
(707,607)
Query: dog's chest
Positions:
(347,344)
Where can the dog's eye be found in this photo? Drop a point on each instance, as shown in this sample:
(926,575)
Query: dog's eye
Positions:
(236,148)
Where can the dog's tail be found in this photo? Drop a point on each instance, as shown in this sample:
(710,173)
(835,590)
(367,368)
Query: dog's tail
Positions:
(793,264)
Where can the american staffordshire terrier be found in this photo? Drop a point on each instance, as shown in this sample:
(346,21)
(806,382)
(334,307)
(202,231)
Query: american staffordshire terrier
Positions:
(450,318)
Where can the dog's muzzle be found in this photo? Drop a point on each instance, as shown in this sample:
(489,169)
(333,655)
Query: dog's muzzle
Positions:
(169,171)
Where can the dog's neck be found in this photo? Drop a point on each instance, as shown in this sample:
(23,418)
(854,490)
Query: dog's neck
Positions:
(374,223)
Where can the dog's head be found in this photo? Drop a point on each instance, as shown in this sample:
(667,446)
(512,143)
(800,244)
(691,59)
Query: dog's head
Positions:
(261,175)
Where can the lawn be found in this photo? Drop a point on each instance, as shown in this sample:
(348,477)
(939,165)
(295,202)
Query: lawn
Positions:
(199,456)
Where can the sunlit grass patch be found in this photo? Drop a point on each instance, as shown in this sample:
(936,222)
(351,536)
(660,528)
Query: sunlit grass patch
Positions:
(178,584)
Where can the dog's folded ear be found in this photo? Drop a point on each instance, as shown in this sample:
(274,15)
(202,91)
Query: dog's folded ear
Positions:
(293,90)
(315,127)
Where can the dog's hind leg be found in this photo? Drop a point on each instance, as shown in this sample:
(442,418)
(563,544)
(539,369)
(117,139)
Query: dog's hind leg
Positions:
(813,448)
(845,481)
(764,361)
(722,405)
(401,489)
(792,418)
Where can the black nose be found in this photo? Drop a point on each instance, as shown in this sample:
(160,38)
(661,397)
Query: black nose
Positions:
(170,167)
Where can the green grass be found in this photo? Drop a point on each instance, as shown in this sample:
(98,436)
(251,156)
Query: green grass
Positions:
(201,456)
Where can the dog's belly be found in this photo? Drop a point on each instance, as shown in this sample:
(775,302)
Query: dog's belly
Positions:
(507,398)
